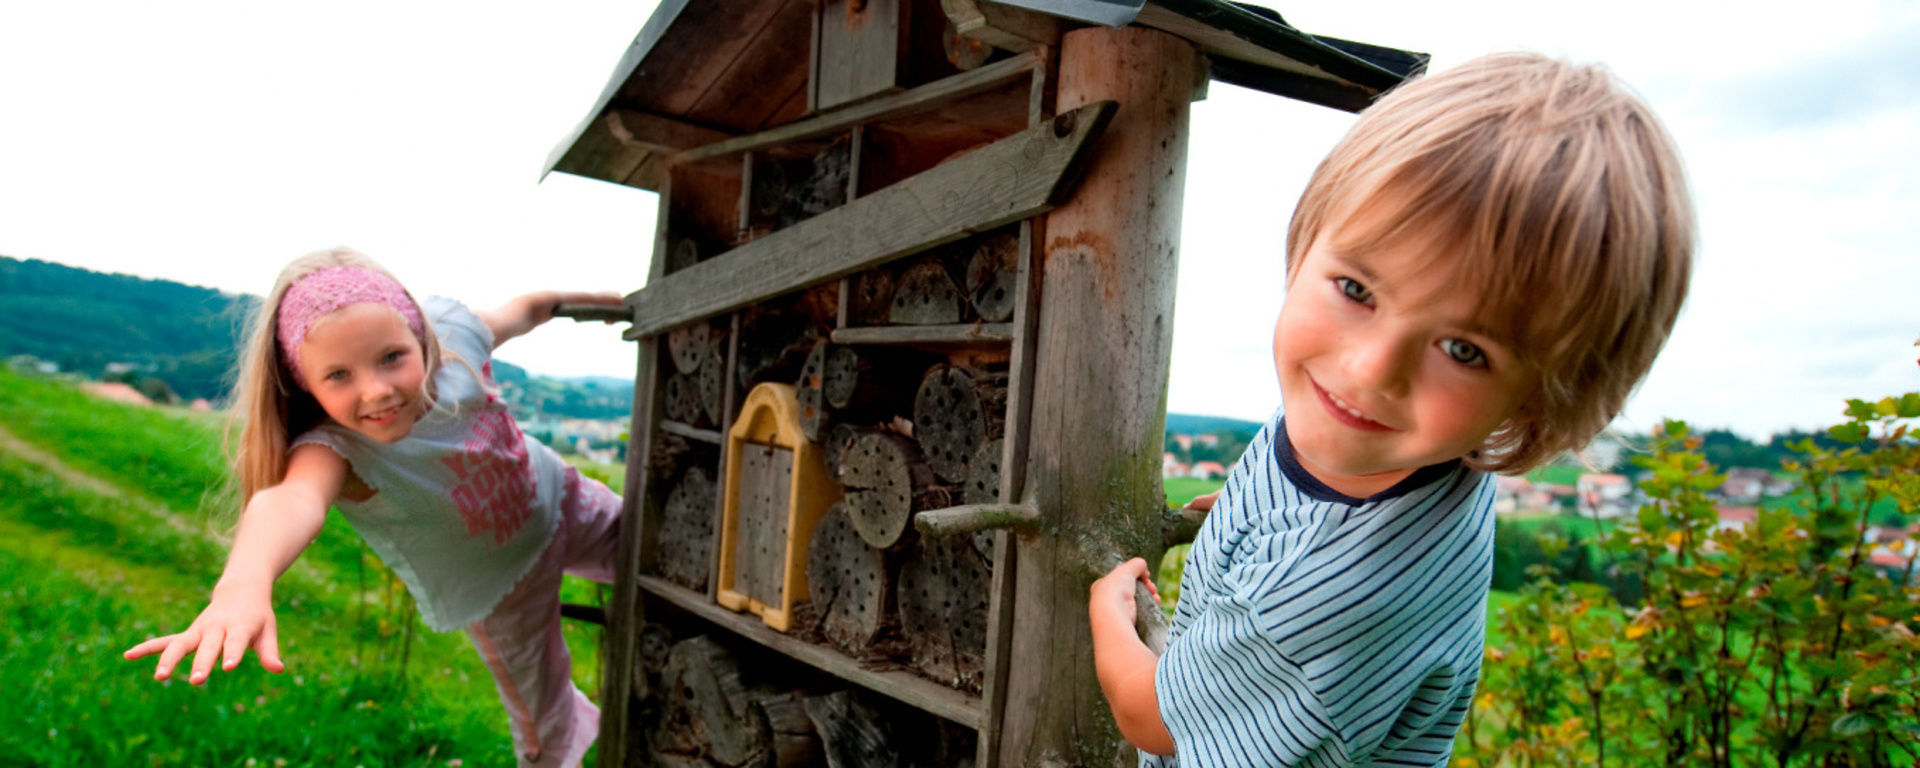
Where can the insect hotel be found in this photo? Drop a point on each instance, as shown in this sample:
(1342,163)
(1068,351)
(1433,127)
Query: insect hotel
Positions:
(903,351)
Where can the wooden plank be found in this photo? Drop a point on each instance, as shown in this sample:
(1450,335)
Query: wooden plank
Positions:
(770,71)
(626,614)
(966,333)
(659,133)
(1100,362)
(692,433)
(1003,26)
(904,687)
(1009,180)
(861,44)
(926,97)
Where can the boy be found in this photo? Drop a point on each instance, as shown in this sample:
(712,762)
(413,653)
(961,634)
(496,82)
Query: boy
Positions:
(1477,276)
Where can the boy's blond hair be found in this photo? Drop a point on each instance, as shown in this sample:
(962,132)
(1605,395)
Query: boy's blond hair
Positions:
(270,408)
(1560,201)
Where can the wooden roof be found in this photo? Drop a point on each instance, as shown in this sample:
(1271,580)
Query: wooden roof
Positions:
(702,71)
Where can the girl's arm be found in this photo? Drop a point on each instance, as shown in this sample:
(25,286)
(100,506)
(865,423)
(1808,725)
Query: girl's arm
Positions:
(275,527)
(525,313)
(1125,665)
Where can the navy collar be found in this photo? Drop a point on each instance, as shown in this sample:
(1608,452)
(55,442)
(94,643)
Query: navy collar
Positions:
(1311,486)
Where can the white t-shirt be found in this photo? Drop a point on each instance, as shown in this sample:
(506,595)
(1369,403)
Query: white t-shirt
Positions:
(465,504)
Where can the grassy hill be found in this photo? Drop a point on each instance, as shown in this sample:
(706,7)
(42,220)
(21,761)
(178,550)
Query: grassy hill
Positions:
(112,531)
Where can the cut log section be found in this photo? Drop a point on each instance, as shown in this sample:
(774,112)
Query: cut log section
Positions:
(926,295)
(944,591)
(809,393)
(885,476)
(834,448)
(872,384)
(983,487)
(711,379)
(793,741)
(870,297)
(707,710)
(954,413)
(687,345)
(683,551)
(848,583)
(682,396)
(650,659)
(993,275)
(852,734)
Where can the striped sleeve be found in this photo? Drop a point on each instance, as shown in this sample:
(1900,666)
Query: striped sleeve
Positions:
(1230,696)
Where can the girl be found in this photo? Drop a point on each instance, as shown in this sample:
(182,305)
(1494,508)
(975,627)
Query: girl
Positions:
(351,394)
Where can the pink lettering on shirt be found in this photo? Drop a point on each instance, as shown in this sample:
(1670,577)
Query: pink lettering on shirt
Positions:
(494,486)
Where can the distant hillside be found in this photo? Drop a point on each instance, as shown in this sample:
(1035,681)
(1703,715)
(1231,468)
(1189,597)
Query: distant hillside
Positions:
(587,397)
(83,320)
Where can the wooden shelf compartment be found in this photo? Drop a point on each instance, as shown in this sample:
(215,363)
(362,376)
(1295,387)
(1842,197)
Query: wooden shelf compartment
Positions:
(902,686)
(691,432)
(967,333)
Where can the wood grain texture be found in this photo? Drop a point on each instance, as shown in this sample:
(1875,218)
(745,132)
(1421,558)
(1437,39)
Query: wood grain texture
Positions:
(1104,334)
(1006,181)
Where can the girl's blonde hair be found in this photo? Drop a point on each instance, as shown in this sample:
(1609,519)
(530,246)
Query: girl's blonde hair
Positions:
(1559,201)
(270,408)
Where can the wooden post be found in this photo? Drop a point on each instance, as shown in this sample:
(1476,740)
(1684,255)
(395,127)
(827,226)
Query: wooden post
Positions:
(1101,354)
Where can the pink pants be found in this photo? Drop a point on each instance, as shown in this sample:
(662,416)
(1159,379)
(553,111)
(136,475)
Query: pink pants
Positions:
(553,723)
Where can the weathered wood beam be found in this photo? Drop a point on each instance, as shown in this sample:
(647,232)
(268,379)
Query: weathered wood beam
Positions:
(1008,180)
(591,312)
(972,518)
(1101,357)
(658,133)
(925,334)
(1002,26)
(1179,526)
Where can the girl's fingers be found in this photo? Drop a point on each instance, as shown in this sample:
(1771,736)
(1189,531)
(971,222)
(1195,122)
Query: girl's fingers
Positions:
(204,656)
(177,648)
(148,648)
(267,647)
(233,650)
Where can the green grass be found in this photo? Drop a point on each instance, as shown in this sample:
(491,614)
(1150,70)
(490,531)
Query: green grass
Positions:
(1181,490)
(85,575)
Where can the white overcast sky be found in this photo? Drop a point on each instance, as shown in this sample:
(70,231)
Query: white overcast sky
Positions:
(208,143)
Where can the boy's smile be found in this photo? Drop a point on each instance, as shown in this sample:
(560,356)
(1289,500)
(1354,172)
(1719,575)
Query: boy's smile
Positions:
(1383,366)
(365,368)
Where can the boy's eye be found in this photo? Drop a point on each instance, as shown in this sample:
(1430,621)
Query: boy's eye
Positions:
(1353,290)
(1464,353)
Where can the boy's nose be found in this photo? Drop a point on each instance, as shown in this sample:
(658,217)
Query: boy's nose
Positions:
(1379,363)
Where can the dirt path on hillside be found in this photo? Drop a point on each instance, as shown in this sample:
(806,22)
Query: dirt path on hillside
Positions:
(11,443)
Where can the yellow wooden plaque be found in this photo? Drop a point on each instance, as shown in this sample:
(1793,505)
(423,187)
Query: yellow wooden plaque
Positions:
(777,488)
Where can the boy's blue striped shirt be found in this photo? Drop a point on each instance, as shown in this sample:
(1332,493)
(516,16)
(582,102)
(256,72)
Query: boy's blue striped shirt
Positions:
(1316,629)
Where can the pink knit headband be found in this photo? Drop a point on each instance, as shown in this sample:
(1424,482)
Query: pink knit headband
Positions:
(320,292)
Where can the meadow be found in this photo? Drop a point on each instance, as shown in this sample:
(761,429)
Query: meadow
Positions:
(112,530)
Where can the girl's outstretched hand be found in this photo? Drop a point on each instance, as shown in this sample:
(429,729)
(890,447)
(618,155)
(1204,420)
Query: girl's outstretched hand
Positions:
(229,625)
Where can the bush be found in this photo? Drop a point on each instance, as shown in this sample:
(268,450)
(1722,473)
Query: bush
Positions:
(1779,643)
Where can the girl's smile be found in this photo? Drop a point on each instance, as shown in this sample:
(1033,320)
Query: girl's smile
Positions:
(365,368)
